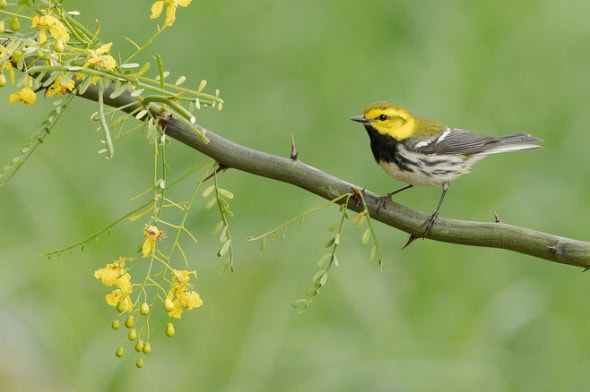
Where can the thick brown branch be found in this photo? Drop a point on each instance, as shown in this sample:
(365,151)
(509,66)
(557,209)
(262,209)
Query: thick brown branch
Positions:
(493,234)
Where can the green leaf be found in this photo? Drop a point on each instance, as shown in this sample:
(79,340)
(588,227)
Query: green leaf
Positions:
(225,193)
(334,226)
(337,239)
(262,243)
(324,261)
(366,237)
(224,248)
(120,88)
(223,234)
(299,303)
(208,190)
(329,243)
(210,203)
(217,228)
(318,277)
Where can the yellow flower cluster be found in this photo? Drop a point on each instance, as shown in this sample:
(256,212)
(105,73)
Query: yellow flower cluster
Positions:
(26,95)
(56,29)
(181,295)
(114,274)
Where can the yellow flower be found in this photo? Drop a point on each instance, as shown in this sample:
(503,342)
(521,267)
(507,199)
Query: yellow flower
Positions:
(97,58)
(111,274)
(120,299)
(55,27)
(181,293)
(57,88)
(114,274)
(151,235)
(171,6)
(26,96)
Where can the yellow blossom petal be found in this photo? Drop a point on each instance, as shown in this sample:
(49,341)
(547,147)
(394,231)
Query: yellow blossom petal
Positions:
(151,235)
(157,9)
(26,96)
(10,69)
(191,299)
(170,15)
(57,88)
(104,48)
(177,311)
(114,297)
(57,29)
(36,21)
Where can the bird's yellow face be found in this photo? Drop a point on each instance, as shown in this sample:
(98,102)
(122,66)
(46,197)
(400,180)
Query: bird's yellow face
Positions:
(389,119)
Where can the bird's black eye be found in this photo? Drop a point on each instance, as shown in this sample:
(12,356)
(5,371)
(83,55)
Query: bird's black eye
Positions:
(383,117)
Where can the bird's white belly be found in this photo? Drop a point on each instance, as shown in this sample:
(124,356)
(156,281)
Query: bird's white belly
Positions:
(429,170)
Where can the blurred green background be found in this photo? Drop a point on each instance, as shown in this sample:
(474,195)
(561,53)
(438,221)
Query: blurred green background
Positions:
(438,317)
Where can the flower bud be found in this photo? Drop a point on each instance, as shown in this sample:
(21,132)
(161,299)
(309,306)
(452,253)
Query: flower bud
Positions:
(170,330)
(144,309)
(147,348)
(14,24)
(130,322)
(168,305)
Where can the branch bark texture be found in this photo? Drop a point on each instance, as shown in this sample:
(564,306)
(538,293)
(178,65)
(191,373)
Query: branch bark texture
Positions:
(495,235)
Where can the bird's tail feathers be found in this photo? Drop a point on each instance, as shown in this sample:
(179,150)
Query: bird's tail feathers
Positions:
(515,142)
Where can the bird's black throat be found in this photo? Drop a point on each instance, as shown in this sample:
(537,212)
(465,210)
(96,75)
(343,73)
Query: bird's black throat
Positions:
(386,149)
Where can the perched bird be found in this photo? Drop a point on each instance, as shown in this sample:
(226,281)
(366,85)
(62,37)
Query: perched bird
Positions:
(425,152)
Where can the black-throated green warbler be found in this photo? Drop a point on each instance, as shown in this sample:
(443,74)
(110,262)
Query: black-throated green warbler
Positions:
(418,151)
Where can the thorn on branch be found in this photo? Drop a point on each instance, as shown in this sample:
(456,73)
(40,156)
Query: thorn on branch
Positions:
(410,240)
(358,196)
(294,153)
(220,168)
(496,217)
(554,249)
(165,121)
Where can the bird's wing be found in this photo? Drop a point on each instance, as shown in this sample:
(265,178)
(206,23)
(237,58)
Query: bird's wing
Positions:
(455,141)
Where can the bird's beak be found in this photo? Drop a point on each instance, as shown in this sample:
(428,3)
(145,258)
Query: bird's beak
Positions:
(361,119)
